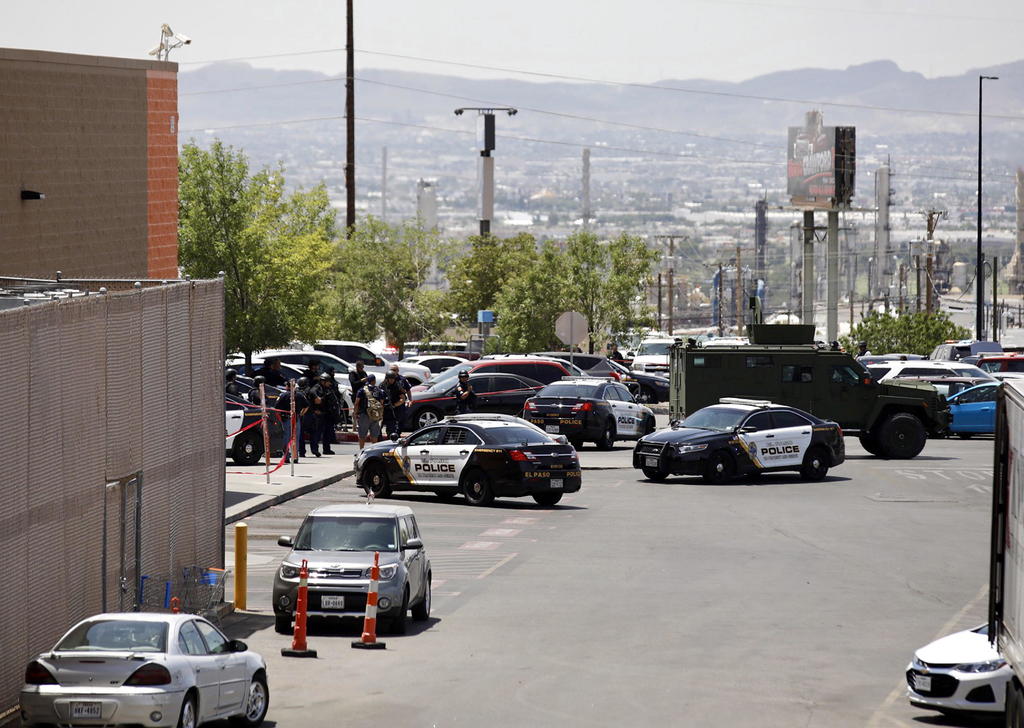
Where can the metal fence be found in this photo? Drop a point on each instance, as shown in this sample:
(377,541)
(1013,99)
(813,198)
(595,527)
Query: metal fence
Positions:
(113,464)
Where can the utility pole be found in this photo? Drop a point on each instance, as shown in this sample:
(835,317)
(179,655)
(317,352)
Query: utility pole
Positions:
(737,292)
(350,126)
(832,278)
(760,239)
(932,218)
(979,276)
(671,282)
(661,315)
(995,299)
(917,282)
(718,299)
(384,185)
(903,281)
(586,189)
(485,135)
(807,298)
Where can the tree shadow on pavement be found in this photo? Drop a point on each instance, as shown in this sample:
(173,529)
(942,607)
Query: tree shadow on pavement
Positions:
(524,504)
(960,721)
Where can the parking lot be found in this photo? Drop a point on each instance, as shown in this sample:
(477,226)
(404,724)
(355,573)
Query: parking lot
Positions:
(762,603)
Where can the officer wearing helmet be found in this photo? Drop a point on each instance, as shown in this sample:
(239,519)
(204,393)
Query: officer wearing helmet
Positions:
(326,391)
(284,405)
(230,385)
(254,393)
(465,397)
(310,421)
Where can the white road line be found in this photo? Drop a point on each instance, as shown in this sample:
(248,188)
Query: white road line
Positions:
(502,532)
(480,545)
(497,566)
(900,689)
(520,521)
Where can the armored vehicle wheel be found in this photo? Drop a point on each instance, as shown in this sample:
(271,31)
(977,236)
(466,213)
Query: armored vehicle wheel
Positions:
(869,443)
(902,436)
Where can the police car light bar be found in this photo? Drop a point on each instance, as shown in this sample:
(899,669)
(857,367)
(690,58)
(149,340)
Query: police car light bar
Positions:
(742,400)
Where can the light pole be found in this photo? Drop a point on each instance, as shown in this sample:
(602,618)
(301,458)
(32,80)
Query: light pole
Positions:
(979,270)
(486,138)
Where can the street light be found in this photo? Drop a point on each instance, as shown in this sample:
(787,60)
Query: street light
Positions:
(979,272)
(486,134)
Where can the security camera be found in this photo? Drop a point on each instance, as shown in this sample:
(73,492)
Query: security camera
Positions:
(183,38)
(156,50)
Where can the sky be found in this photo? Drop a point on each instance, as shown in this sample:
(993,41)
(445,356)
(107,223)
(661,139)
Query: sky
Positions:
(639,40)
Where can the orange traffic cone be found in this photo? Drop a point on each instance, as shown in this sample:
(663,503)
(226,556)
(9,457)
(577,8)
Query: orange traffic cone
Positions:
(369,639)
(299,648)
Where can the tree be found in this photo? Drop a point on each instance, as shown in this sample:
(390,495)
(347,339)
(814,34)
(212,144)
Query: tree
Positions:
(274,248)
(476,277)
(379,281)
(909,333)
(529,303)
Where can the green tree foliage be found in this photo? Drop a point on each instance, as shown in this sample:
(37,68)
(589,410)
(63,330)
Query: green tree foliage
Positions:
(380,274)
(911,333)
(476,278)
(529,303)
(275,248)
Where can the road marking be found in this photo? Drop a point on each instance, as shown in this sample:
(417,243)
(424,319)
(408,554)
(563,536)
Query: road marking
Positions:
(502,532)
(901,688)
(497,566)
(480,545)
(520,521)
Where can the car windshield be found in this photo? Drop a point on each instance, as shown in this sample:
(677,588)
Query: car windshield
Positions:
(347,533)
(716,418)
(654,348)
(116,635)
(966,370)
(514,435)
(570,390)
(447,379)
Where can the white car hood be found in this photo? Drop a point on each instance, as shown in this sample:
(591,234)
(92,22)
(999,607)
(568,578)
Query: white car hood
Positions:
(959,647)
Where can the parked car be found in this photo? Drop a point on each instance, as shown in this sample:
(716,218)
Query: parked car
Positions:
(246,448)
(924,368)
(956,350)
(544,371)
(482,456)
(589,409)
(948,386)
(742,437)
(993,364)
(148,669)
(647,388)
(652,355)
(961,673)
(353,351)
(434,362)
(973,411)
(497,393)
(338,543)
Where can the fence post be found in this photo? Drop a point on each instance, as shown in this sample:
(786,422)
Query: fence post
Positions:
(241,561)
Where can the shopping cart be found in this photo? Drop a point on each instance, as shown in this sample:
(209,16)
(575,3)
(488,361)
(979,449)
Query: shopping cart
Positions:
(195,590)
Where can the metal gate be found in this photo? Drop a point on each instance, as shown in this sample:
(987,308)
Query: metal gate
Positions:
(122,543)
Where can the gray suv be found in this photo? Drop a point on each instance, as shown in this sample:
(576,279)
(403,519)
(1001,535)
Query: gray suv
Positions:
(338,543)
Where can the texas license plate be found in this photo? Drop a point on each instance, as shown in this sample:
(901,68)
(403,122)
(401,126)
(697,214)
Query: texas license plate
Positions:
(328,601)
(923,683)
(551,428)
(556,482)
(652,462)
(87,710)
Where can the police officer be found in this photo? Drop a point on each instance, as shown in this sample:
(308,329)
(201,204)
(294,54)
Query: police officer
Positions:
(271,373)
(395,399)
(330,409)
(284,404)
(254,393)
(310,419)
(230,385)
(357,377)
(465,397)
(367,427)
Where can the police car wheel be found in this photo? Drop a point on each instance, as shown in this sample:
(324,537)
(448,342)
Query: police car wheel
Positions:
(654,474)
(476,486)
(647,396)
(607,439)
(815,465)
(376,481)
(283,623)
(719,468)
(247,448)
(428,417)
(650,426)
(547,499)
(576,442)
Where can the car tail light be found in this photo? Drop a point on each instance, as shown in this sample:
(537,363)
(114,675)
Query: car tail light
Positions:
(150,674)
(615,375)
(529,405)
(584,407)
(36,674)
(518,455)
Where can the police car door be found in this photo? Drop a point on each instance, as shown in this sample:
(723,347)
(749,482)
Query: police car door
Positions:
(760,436)
(624,424)
(632,407)
(789,440)
(449,458)
(416,456)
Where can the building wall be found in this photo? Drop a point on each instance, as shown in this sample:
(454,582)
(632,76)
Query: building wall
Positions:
(98,137)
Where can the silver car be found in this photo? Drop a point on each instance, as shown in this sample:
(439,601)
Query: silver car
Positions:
(338,543)
(145,669)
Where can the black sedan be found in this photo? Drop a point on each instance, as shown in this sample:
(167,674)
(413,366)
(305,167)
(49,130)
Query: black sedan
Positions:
(502,394)
(742,437)
(646,387)
(589,408)
(482,456)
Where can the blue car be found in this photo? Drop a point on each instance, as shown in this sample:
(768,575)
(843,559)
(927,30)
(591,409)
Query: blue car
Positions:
(974,410)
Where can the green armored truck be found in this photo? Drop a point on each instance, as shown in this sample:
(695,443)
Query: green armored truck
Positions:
(893,419)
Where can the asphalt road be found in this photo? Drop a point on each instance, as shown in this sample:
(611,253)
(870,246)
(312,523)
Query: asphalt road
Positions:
(767,603)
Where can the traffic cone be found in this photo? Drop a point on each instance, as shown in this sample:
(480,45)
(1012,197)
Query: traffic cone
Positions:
(369,639)
(299,648)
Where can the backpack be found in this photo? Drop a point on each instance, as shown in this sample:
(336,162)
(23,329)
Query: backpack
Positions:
(374,407)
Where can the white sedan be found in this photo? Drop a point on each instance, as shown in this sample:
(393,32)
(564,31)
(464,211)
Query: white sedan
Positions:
(960,673)
(145,669)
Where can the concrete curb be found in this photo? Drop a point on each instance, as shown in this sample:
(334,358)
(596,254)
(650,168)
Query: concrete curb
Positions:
(264,504)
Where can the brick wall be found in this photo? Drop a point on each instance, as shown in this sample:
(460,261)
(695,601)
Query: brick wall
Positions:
(79,129)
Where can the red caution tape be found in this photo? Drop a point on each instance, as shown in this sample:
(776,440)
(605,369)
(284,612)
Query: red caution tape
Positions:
(247,427)
(254,406)
(287,450)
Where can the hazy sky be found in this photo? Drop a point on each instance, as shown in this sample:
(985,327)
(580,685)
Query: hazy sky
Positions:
(641,40)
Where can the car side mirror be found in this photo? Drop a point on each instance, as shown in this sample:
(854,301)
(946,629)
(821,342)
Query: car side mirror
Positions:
(285,541)
(414,543)
(237,646)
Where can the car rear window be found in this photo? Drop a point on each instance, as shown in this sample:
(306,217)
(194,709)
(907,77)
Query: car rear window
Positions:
(117,635)
(514,435)
(570,390)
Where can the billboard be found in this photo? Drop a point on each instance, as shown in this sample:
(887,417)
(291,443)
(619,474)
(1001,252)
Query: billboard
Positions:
(820,163)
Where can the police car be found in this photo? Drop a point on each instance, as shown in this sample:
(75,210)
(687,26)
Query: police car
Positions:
(742,437)
(595,409)
(482,456)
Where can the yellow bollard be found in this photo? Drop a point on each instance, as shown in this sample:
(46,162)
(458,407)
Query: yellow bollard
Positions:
(241,563)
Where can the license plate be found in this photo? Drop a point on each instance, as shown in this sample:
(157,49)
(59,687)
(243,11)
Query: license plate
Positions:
(923,683)
(328,601)
(551,428)
(87,710)
(652,462)
(556,482)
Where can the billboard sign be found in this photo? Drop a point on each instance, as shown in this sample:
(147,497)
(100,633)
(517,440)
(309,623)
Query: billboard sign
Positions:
(820,163)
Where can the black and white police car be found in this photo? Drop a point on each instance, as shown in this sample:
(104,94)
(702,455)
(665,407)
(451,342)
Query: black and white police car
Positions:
(742,437)
(482,456)
(596,409)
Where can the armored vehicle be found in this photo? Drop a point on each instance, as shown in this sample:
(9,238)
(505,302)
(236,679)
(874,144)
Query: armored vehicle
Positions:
(893,419)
